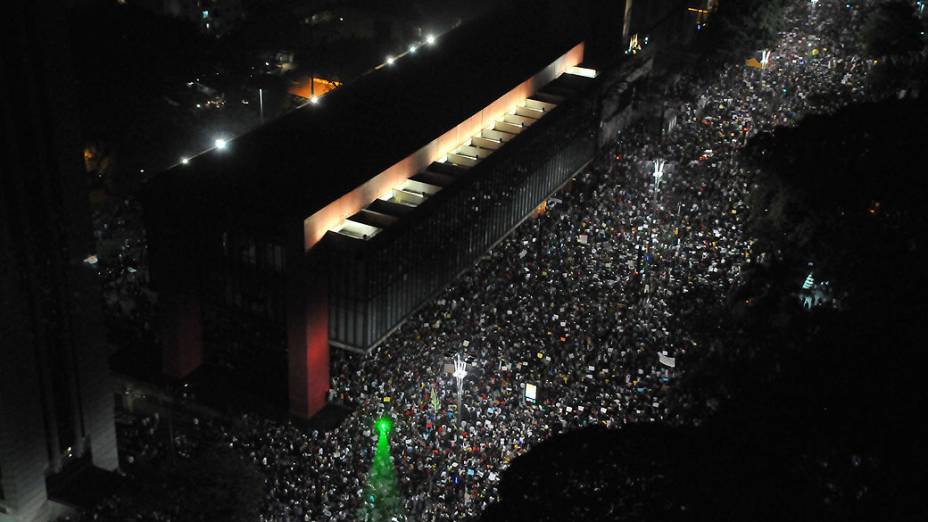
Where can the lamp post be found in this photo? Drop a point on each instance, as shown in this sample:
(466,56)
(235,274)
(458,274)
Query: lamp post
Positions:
(460,371)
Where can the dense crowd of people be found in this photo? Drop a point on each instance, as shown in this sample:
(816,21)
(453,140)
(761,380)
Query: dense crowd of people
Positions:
(592,302)
(128,304)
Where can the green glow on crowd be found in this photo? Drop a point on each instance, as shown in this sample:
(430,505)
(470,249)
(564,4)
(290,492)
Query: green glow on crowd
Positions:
(384,425)
(382,499)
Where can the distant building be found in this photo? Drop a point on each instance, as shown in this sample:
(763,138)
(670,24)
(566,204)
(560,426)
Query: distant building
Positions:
(212,16)
(56,403)
(374,22)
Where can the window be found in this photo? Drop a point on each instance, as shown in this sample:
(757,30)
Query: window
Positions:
(275,257)
(249,251)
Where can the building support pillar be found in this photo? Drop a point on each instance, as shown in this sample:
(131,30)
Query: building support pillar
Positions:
(308,348)
(181,334)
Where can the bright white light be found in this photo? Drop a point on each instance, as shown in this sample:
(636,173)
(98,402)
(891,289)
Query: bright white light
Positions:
(412,49)
(390,60)
(658,169)
(314,100)
(430,39)
(184,161)
(460,368)
(765,58)
(221,143)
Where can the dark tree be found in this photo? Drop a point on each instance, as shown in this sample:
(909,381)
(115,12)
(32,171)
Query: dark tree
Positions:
(892,29)
(217,485)
(845,191)
(736,29)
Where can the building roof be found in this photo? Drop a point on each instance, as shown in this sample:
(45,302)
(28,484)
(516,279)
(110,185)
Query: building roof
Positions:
(301,162)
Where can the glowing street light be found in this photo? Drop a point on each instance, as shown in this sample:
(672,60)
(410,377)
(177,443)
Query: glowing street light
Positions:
(412,49)
(430,39)
(221,143)
(390,60)
(314,100)
(184,161)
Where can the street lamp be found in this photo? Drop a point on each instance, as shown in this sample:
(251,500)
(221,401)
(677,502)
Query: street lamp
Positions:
(658,173)
(430,39)
(221,143)
(390,60)
(460,371)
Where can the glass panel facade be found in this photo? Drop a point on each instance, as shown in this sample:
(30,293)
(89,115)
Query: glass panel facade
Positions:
(244,303)
(374,289)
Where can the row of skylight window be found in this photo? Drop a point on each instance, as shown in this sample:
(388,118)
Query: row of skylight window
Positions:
(412,193)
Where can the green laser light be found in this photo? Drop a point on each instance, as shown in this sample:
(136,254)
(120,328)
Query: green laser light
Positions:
(384,425)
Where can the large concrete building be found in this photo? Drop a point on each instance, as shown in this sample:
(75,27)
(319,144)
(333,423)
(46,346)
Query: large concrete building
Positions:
(331,225)
(56,404)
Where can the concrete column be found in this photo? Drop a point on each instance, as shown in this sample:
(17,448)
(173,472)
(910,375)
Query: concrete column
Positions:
(23,447)
(308,348)
(181,334)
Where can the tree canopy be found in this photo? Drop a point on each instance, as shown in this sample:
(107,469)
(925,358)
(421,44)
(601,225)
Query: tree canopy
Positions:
(892,28)
(844,191)
(736,29)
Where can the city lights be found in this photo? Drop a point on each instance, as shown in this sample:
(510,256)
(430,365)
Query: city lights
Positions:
(430,39)
(390,60)
(184,161)
(221,143)
(412,49)
(314,100)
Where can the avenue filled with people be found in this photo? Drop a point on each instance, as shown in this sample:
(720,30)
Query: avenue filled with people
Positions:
(597,302)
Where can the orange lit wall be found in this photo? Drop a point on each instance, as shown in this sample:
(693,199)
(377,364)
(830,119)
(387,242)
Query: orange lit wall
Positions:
(316,225)
(305,88)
